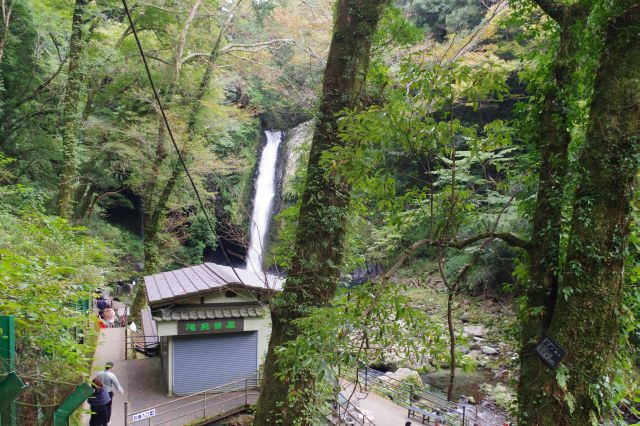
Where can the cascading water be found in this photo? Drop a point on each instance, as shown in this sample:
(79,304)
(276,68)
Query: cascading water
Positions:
(263,200)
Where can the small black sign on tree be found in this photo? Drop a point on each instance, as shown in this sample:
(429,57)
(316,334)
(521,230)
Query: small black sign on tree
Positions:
(550,352)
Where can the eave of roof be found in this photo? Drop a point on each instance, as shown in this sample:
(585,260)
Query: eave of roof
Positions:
(208,313)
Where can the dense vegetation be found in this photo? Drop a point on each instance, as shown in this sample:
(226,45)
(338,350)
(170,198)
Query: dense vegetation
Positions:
(487,148)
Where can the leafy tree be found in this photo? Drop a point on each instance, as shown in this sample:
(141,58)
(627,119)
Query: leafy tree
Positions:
(583,313)
(70,112)
(315,270)
(49,269)
(447,201)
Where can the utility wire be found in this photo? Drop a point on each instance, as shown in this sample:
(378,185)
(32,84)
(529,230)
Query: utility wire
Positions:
(173,141)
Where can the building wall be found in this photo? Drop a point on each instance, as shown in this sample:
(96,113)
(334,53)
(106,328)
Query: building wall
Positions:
(261,325)
(169,367)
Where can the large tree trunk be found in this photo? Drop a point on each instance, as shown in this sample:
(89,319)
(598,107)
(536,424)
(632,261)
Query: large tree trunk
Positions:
(70,120)
(552,142)
(586,316)
(316,263)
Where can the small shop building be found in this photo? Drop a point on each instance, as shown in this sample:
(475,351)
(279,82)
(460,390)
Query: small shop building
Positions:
(213,324)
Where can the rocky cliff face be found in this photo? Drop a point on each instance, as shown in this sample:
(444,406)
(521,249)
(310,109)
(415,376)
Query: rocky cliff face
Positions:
(296,151)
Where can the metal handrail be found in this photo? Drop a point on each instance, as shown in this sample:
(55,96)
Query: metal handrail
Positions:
(444,400)
(401,392)
(359,417)
(204,392)
(204,407)
(200,401)
(400,383)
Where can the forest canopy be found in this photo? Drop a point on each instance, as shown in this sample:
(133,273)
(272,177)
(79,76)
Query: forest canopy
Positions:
(445,164)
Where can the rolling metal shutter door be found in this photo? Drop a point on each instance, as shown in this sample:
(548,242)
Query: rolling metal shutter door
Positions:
(206,361)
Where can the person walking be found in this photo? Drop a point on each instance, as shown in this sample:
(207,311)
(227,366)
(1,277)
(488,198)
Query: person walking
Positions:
(98,403)
(101,304)
(110,381)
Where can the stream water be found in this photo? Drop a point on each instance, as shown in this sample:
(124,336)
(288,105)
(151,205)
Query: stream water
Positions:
(469,384)
(263,200)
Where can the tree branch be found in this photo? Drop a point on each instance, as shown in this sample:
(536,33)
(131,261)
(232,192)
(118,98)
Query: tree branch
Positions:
(511,239)
(253,47)
(561,13)
(41,86)
(555,10)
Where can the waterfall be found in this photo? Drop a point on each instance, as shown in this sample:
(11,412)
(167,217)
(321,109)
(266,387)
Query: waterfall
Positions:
(263,200)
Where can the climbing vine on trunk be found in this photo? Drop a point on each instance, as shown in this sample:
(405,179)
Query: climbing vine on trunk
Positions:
(315,268)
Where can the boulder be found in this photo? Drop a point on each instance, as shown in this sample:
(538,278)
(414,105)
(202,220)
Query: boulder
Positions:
(488,350)
(405,375)
(478,358)
(474,330)
(466,316)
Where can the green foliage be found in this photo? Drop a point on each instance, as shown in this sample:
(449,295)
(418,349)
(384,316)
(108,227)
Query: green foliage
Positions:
(404,156)
(442,17)
(395,29)
(343,335)
(47,267)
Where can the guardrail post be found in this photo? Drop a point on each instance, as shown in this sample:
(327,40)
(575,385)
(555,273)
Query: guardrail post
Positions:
(204,405)
(366,377)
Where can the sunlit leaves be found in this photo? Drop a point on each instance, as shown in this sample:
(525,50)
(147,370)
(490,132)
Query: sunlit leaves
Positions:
(337,339)
(46,267)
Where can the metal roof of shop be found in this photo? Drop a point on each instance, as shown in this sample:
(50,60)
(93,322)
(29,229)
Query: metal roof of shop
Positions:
(149,327)
(201,279)
(208,313)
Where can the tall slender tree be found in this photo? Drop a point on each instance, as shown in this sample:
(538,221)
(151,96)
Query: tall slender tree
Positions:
(71,110)
(315,269)
(5,11)
(155,201)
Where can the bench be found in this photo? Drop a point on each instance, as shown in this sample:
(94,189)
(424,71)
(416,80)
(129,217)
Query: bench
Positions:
(424,415)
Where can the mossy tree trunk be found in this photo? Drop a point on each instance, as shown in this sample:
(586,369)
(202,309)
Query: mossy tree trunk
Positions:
(552,142)
(71,111)
(585,320)
(315,269)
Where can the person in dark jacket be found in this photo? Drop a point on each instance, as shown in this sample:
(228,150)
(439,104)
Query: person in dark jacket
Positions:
(101,304)
(99,402)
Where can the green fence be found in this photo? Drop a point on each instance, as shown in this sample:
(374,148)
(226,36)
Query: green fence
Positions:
(26,396)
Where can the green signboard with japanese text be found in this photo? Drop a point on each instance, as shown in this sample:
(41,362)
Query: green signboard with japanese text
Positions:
(227,325)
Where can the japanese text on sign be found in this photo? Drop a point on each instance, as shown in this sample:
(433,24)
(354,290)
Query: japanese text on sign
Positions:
(143,415)
(211,326)
(550,352)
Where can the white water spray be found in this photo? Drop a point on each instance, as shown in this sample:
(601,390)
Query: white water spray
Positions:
(263,200)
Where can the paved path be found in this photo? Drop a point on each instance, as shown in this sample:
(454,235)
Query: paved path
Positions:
(383,412)
(144,387)
(111,348)
(147,390)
